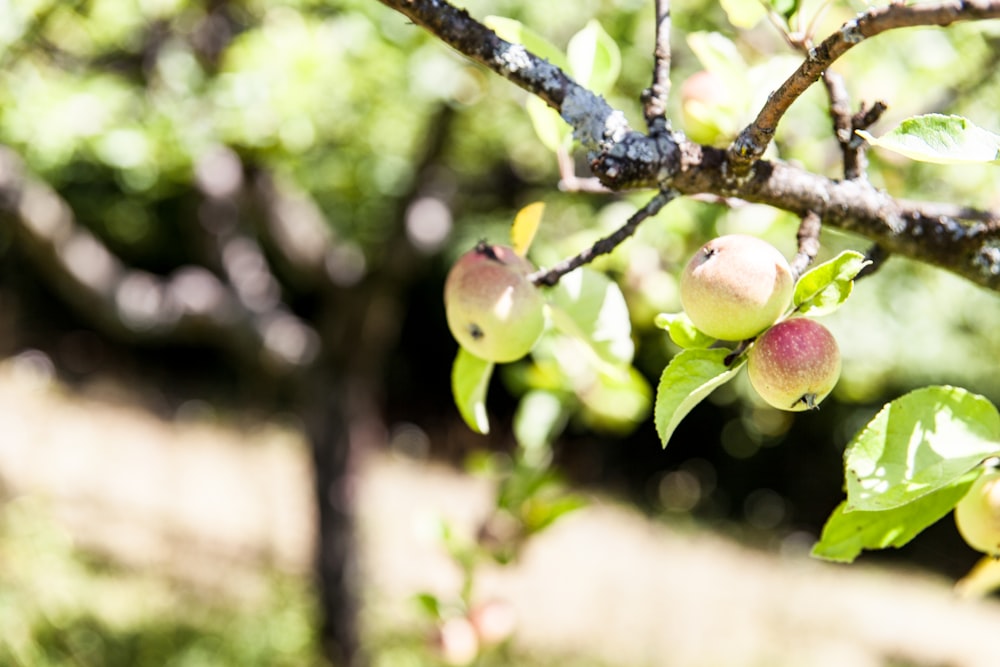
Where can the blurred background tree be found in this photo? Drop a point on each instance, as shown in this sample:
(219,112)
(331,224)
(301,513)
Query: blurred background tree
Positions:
(254,204)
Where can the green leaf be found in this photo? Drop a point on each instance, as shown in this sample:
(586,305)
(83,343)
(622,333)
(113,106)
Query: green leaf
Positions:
(594,58)
(846,534)
(429,604)
(589,305)
(744,14)
(786,8)
(686,381)
(825,287)
(682,331)
(719,55)
(939,138)
(552,130)
(517,33)
(616,402)
(539,418)
(917,444)
(470,378)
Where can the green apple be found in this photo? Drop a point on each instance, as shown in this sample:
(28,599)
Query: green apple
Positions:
(795,364)
(493,310)
(977,514)
(736,286)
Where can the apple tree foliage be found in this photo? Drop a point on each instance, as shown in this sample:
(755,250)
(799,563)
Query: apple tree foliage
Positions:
(910,465)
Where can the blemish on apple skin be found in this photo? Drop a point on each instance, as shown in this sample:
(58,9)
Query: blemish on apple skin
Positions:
(476,332)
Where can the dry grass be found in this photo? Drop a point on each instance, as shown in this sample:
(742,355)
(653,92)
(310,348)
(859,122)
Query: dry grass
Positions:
(217,507)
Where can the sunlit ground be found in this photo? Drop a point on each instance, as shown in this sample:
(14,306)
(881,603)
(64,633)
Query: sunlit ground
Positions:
(126,540)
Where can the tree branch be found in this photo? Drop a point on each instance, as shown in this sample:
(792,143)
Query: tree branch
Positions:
(655,97)
(963,241)
(750,145)
(605,245)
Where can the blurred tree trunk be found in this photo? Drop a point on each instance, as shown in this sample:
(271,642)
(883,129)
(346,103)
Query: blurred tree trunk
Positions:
(326,411)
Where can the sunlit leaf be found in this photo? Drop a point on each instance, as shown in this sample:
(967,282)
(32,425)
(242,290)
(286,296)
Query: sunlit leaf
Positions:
(719,55)
(917,444)
(847,534)
(825,287)
(539,418)
(589,305)
(526,222)
(939,138)
(470,378)
(552,130)
(617,402)
(689,377)
(682,331)
(744,14)
(594,58)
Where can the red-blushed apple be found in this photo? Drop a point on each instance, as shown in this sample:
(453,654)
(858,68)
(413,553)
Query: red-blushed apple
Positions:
(736,286)
(493,310)
(494,621)
(977,514)
(456,641)
(795,364)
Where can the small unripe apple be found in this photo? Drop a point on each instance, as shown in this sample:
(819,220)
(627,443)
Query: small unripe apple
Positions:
(705,102)
(493,310)
(794,364)
(736,286)
(977,514)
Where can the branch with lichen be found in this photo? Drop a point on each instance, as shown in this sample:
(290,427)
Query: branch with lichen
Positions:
(962,240)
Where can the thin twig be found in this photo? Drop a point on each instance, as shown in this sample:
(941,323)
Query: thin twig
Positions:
(605,245)
(855,157)
(655,97)
(569,181)
(808,238)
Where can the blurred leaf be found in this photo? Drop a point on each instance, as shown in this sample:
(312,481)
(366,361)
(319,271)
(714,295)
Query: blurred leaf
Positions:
(616,402)
(846,533)
(719,55)
(589,305)
(822,289)
(786,8)
(429,604)
(686,381)
(744,14)
(517,33)
(939,138)
(917,444)
(540,513)
(552,130)
(526,222)
(540,417)
(682,331)
(594,58)
(470,379)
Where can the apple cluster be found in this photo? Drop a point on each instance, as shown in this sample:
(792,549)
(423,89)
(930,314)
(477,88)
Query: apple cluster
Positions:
(737,288)
(493,310)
